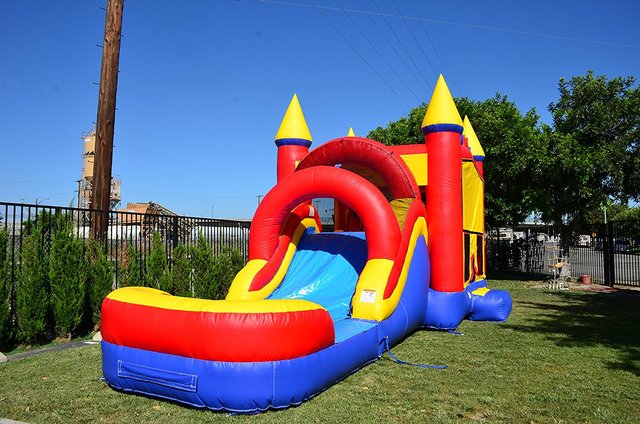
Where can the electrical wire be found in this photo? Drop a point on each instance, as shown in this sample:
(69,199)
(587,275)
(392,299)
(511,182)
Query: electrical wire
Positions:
(380,54)
(462,24)
(359,55)
(402,44)
(426,33)
(415,39)
(373,21)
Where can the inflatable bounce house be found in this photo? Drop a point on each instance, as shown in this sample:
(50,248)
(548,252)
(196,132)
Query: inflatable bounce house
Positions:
(312,307)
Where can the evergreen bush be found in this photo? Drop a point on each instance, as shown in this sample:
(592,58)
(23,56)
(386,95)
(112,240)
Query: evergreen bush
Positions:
(67,279)
(32,289)
(100,278)
(181,272)
(131,273)
(205,285)
(227,264)
(157,272)
(6,327)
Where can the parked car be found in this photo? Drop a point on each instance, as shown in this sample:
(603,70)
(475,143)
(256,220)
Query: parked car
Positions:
(619,246)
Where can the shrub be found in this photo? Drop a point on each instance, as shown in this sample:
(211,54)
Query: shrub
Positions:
(67,279)
(181,271)
(205,285)
(6,328)
(227,265)
(100,278)
(32,290)
(131,274)
(157,273)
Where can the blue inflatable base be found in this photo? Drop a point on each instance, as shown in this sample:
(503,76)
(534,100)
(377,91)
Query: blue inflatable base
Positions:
(447,310)
(249,387)
(495,305)
(243,387)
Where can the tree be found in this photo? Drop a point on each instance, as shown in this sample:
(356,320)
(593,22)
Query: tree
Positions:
(6,329)
(157,273)
(511,143)
(618,212)
(591,151)
(509,139)
(32,291)
(181,271)
(406,130)
(131,272)
(68,281)
(227,264)
(100,278)
(205,285)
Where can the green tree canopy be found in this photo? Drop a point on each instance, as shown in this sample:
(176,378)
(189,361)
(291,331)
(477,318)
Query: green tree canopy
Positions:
(590,154)
(508,138)
(567,171)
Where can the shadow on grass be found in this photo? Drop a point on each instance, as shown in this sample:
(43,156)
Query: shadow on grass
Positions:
(516,276)
(576,319)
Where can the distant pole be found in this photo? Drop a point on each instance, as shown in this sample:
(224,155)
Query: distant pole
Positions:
(101,193)
(259,196)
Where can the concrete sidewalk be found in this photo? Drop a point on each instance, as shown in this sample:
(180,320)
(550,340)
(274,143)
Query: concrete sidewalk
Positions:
(57,348)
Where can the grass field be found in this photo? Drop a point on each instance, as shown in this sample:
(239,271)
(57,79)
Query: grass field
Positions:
(562,357)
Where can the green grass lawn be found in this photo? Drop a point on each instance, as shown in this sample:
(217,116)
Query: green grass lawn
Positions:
(563,356)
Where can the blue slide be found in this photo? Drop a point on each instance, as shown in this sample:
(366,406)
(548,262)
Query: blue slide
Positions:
(325,270)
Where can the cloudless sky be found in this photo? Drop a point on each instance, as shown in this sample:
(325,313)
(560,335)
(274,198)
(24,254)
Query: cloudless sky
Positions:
(204,84)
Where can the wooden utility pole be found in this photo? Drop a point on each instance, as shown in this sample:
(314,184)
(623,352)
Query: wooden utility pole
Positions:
(101,193)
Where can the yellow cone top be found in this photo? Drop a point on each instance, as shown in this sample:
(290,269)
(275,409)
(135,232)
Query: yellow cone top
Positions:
(474,143)
(351,133)
(293,125)
(442,110)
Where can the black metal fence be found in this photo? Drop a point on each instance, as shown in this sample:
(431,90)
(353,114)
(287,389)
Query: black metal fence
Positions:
(125,230)
(609,255)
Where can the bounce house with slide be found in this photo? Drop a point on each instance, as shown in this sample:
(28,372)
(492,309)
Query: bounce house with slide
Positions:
(310,307)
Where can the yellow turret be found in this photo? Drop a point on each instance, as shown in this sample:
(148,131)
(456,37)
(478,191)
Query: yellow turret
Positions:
(293,139)
(293,126)
(351,133)
(474,144)
(442,114)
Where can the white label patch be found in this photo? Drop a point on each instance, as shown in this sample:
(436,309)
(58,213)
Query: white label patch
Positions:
(368,296)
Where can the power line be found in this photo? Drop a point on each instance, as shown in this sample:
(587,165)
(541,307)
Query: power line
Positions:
(402,45)
(415,39)
(394,49)
(359,55)
(424,29)
(380,54)
(462,24)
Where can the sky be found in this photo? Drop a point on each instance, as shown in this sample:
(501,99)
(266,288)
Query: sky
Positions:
(203,85)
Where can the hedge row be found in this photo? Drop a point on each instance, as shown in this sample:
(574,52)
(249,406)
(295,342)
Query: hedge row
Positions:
(61,280)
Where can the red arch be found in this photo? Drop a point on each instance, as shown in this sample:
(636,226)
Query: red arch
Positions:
(368,153)
(380,223)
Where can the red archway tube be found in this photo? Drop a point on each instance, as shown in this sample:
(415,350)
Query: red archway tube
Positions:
(368,153)
(381,225)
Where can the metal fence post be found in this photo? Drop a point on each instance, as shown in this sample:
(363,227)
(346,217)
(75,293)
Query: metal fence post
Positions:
(608,252)
(175,231)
